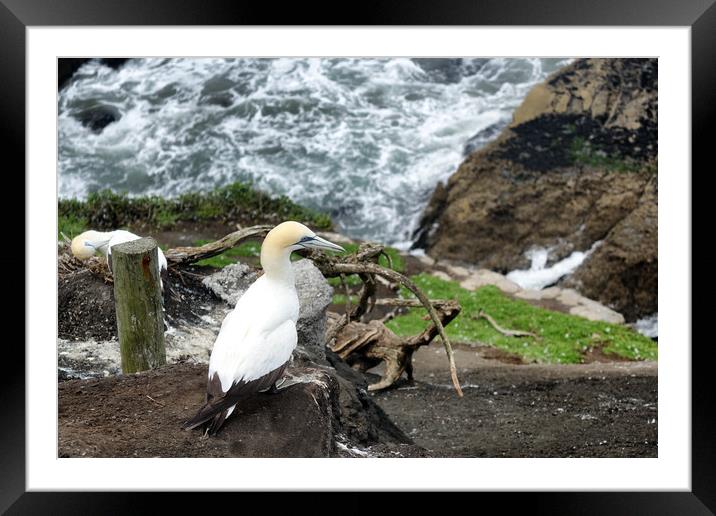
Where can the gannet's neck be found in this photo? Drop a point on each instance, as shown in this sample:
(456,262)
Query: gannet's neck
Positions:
(276,262)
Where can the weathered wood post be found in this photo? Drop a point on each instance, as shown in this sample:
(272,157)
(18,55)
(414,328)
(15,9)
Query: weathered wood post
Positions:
(138,302)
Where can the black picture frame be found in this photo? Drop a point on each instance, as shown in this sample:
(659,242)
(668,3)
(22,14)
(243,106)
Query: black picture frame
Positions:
(17,15)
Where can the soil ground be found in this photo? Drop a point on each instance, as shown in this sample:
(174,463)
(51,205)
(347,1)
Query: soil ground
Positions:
(601,409)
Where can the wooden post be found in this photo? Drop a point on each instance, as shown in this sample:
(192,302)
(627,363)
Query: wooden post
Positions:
(138,301)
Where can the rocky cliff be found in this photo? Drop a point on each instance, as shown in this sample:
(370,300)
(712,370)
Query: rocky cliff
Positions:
(577,165)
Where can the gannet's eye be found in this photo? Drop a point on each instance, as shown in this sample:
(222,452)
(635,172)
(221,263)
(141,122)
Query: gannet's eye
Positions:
(305,239)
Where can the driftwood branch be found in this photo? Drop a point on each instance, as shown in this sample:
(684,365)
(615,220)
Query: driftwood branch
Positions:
(507,333)
(186,255)
(364,345)
(332,268)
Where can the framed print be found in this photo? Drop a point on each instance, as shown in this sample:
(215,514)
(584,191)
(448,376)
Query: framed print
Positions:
(417,251)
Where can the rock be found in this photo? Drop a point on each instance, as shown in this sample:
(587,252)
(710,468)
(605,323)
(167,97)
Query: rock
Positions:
(529,293)
(571,168)
(550,292)
(231,282)
(140,415)
(98,117)
(362,420)
(623,272)
(441,275)
(314,296)
(66,67)
(570,297)
(483,277)
(457,271)
(426,260)
(597,312)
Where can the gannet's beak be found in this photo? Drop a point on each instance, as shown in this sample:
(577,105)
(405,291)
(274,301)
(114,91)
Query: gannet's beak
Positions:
(97,244)
(317,242)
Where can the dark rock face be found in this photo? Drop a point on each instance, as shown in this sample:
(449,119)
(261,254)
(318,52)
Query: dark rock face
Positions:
(66,67)
(97,118)
(623,272)
(573,168)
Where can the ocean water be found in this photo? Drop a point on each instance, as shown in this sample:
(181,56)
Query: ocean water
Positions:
(365,140)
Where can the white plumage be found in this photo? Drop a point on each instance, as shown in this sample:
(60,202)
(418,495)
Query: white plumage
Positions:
(257,337)
(90,242)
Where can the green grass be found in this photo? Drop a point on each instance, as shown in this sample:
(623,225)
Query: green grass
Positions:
(582,152)
(70,225)
(563,338)
(106,210)
(238,253)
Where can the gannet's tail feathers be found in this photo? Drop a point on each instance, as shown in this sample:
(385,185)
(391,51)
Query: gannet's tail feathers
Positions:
(220,404)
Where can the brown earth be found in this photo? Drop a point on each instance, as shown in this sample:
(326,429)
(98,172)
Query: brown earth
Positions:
(576,166)
(508,410)
(141,415)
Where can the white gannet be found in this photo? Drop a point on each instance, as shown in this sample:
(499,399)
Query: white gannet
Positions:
(257,337)
(85,245)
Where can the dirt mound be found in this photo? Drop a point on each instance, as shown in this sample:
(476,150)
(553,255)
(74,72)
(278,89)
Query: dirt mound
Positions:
(573,168)
(86,302)
(141,415)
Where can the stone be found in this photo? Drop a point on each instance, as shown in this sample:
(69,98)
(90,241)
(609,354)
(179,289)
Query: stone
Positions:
(231,282)
(457,271)
(441,275)
(98,117)
(550,292)
(570,297)
(483,277)
(529,293)
(426,260)
(594,313)
(623,272)
(314,296)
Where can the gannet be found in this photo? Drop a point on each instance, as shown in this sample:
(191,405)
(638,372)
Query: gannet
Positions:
(257,337)
(88,243)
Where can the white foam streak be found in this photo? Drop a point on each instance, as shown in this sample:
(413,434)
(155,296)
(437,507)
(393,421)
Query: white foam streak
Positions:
(538,276)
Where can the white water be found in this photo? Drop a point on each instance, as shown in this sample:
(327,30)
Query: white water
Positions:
(538,276)
(366,140)
(648,326)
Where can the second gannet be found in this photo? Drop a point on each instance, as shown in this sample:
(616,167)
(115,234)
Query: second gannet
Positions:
(257,337)
(90,242)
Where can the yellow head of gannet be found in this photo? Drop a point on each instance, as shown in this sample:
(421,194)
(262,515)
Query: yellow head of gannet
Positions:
(86,245)
(258,336)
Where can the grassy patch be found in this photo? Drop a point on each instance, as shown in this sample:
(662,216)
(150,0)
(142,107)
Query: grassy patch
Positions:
(107,210)
(239,253)
(563,338)
(584,153)
(70,225)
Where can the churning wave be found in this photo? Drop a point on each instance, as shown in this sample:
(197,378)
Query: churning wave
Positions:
(365,140)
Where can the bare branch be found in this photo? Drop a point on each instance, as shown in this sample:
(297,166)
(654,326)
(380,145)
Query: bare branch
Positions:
(507,333)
